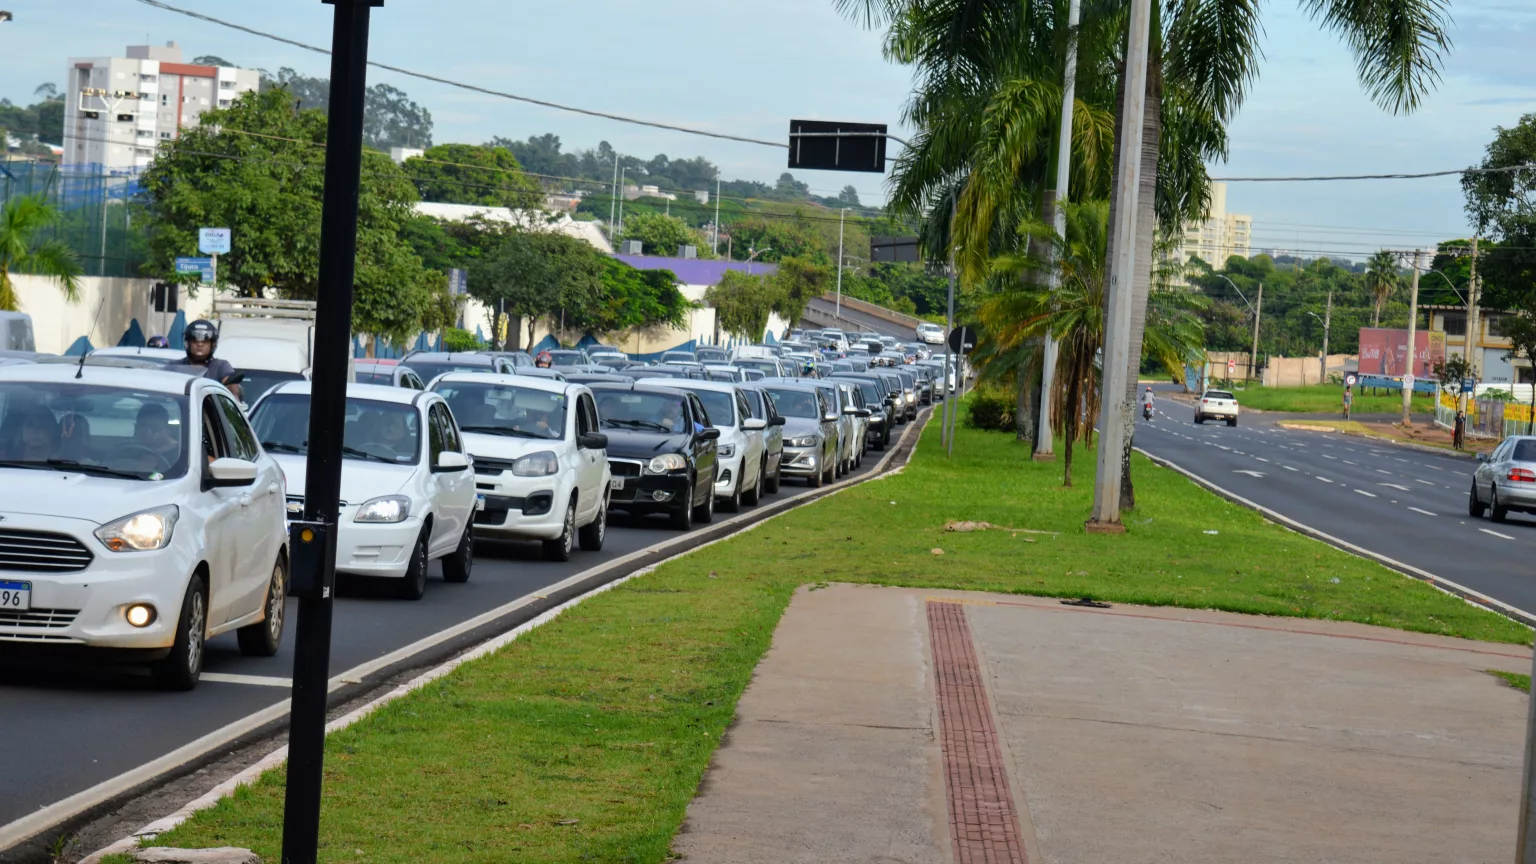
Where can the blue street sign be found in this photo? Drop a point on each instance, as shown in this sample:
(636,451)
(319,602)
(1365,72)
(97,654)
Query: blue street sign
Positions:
(203,266)
(213,241)
(1468,385)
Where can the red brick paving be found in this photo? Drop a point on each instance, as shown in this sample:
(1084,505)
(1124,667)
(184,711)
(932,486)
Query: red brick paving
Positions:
(982,821)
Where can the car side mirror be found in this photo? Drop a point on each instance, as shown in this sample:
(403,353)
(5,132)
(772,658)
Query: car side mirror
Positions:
(753,424)
(709,433)
(864,412)
(830,418)
(776,421)
(448,460)
(592,441)
(851,410)
(225,473)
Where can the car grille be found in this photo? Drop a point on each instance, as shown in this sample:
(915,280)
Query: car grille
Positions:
(42,552)
(624,467)
(40,618)
(491,467)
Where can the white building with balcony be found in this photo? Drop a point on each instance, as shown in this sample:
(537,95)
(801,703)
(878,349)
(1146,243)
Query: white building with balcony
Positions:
(1221,236)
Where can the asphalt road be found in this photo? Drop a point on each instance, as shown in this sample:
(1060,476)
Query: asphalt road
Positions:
(65,730)
(868,322)
(1405,504)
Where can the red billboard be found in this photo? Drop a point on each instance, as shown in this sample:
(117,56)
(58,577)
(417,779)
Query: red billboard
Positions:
(1385,352)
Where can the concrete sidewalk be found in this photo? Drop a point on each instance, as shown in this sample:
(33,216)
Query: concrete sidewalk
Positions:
(897,725)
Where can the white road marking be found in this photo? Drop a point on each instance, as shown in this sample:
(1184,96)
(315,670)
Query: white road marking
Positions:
(1365,493)
(1431,467)
(1379,471)
(1425,512)
(1324,479)
(1395,486)
(1496,534)
(1261,458)
(1223,446)
(1347,462)
(257,680)
(1287,467)
(1326,456)
(1425,482)
(1250,473)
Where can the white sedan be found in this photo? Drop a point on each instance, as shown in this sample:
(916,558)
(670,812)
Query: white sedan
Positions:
(741,449)
(407,491)
(540,460)
(140,517)
(931,334)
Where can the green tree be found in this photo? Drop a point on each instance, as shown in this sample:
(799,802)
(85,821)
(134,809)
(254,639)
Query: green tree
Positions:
(660,234)
(536,274)
(795,284)
(1382,276)
(390,118)
(23,250)
(742,304)
(1521,331)
(782,238)
(1500,203)
(632,298)
(470,174)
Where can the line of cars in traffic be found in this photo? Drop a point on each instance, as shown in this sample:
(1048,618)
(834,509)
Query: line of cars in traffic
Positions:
(146,509)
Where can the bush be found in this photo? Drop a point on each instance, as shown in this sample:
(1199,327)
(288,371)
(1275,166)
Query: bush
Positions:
(991,410)
(455,339)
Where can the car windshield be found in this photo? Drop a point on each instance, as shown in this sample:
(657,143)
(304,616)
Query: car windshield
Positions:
(110,431)
(711,355)
(795,403)
(567,358)
(678,357)
(767,367)
(259,381)
(429,369)
(1219,394)
(499,409)
(718,406)
(646,412)
(374,431)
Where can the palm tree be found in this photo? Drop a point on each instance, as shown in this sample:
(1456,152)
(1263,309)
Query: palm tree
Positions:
(22,220)
(1382,277)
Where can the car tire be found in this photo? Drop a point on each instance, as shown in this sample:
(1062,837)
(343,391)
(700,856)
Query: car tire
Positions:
(772,484)
(705,513)
(595,532)
(414,583)
(1231,421)
(831,474)
(817,480)
(263,638)
(1199,421)
(1475,508)
(755,494)
(456,567)
(682,517)
(180,669)
(732,503)
(1496,511)
(559,549)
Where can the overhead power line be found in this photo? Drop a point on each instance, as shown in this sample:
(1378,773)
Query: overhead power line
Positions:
(1420,176)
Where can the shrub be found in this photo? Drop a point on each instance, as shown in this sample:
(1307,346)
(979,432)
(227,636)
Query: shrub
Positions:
(455,339)
(992,410)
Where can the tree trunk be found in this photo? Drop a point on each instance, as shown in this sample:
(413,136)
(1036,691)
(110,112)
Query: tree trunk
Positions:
(372,342)
(1146,229)
(1024,408)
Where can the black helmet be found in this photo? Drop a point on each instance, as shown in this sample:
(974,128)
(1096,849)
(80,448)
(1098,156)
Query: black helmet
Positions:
(201,330)
(157,342)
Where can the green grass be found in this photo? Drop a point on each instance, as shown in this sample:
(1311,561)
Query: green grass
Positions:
(1323,398)
(609,715)
(1513,679)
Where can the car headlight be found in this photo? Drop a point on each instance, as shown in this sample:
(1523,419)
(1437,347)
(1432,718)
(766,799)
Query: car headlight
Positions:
(726,451)
(807,441)
(667,462)
(142,531)
(540,464)
(388,508)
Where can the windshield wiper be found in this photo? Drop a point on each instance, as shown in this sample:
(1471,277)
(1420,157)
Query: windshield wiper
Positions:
(500,430)
(280,447)
(364,454)
(70,465)
(638,424)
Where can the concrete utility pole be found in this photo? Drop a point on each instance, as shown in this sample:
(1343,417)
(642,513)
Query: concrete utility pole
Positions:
(1322,363)
(715,244)
(1045,436)
(621,196)
(1413,327)
(1473,351)
(1114,410)
(1258,312)
(840,214)
(612,203)
(949,320)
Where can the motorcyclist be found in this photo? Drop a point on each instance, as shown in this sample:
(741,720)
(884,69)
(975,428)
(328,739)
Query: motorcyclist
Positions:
(157,341)
(1147,403)
(544,360)
(201,339)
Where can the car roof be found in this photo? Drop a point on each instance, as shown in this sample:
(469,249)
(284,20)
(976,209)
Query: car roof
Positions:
(135,378)
(637,387)
(473,357)
(530,382)
(371,392)
(131,351)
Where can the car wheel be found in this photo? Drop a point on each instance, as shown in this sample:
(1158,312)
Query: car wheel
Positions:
(732,504)
(263,638)
(1231,421)
(1475,508)
(415,582)
(1496,511)
(184,665)
(1199,421)
(559,549)
(595,532)
(755,494)
(456,567)
(682,517)
(831,473)
(772,485)
(705,513)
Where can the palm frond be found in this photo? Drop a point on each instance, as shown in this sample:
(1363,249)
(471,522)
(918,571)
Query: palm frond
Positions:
(1398,45)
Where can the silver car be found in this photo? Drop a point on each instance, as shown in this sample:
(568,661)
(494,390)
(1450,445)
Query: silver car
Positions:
(1505,480)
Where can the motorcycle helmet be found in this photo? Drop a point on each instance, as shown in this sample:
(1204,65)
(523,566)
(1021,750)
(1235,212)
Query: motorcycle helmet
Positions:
(157,341)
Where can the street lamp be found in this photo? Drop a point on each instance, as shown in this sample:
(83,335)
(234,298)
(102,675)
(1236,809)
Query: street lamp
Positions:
(754,254)
(840,215)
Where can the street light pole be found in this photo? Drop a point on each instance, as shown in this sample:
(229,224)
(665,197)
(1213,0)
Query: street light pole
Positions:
(1413,353)
(614,201)
(715,245)
(840,215)
(621,196)
(1258,312)
(312,541)
(1322,371)
(1045,435)
(945,435)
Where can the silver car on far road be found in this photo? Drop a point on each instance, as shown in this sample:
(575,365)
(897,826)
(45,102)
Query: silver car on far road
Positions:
(1505,480)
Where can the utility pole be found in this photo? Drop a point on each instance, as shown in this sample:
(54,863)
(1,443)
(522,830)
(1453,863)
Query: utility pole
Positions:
(840,215)
(621,196)
(715,245)
(949,320)
(1114,410)
(1473,350)
(1322,363)
(613,202)
(1413,353)
(1258,312)
(1045,434)
(312,540)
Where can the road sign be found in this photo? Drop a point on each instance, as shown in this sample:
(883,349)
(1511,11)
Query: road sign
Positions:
(962,340)
(1407,382)
(1231,367)
(1349,381)
(1468,385)
(837,146)
(893,249)
(196,265)
(213,241)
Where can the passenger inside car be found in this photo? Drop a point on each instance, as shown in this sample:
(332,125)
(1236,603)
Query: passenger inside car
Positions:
(33,438)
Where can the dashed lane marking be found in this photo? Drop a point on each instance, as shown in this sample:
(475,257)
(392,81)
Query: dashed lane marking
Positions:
(1425,512)
(1495,533)
(1365,493)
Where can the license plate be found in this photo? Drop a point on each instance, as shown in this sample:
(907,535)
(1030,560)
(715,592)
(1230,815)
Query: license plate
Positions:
(616,483)
(15,596)
(479,503)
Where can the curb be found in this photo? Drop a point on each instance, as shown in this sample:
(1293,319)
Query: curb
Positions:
(586,584)
(1470,595)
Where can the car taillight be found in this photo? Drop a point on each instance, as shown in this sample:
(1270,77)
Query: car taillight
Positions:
(1522,475)
(1205,401)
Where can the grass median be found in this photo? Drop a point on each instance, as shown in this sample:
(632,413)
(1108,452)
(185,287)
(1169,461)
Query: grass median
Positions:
(1325,398)
(586,739)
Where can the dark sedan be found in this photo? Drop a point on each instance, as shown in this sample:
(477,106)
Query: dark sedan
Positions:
(661,452)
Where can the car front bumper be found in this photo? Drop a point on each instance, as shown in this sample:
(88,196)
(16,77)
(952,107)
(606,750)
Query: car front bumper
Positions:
(802,462)
(375,548)
(649,493)
(729,478)
(520,508)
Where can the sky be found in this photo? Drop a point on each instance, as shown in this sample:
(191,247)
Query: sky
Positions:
(748,68)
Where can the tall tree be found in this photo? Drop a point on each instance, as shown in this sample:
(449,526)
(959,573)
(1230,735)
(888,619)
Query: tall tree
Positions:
(23,249)
(742,304)
(534,274)
(1382,276)
(1502,204)
(390,118)
(469,174)
(660,234)
(795,284)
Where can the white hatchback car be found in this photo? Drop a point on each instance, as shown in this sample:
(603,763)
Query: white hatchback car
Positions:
(741,448)
(140,517)
(541,459)
(407,491)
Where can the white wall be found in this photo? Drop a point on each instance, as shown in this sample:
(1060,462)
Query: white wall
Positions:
(106,308)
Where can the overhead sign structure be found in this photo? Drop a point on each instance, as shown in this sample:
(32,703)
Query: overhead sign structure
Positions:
(196,265)
(893,249)
(962,340)
(833,146)
(213,241)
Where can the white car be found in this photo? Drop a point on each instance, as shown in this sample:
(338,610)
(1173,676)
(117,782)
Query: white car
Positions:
(407,491)
(1216,405)
(140,517)
(741,448)
(541,459)
(931,334)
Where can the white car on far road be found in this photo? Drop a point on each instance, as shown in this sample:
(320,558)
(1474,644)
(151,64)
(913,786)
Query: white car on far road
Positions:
(930,333)
(139,518)
(407,491)
(1216,405)
(541,459)
(741,449)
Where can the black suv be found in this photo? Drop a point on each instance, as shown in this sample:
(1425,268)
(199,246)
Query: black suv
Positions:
(661,452)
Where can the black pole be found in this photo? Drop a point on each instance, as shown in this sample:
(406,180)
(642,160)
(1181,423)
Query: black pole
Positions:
(311,541)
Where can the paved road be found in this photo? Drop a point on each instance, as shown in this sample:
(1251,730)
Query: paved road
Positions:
(64,731)
(1405,504)
(868,322)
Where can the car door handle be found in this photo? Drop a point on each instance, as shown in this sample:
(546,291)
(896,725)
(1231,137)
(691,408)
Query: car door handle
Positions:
(272,489)
(245,500)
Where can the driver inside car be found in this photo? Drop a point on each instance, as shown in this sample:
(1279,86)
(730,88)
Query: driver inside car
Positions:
(152,431)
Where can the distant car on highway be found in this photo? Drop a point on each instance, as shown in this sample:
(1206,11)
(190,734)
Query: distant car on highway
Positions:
(388,375)
(932,334)
(1216,405)
(1505,480)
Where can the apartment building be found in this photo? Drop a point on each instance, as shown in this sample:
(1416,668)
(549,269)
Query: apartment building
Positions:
(117,110)
(1218,238)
